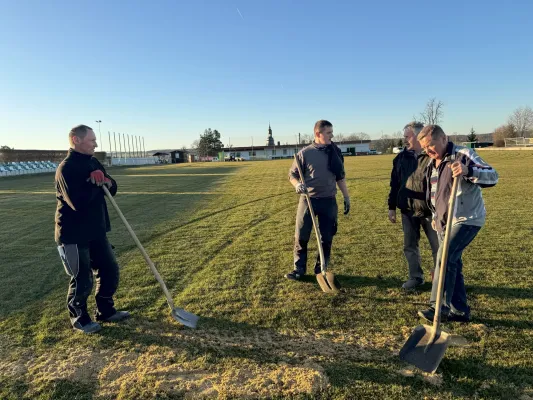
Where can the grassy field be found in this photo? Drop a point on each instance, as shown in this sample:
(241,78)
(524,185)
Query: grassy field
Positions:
(222,235)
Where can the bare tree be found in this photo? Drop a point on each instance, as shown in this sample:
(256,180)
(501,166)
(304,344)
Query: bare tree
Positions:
(357,136)
(339,137)
(307,138)
(386,143)
(522,120)
(503,132)
(433,113)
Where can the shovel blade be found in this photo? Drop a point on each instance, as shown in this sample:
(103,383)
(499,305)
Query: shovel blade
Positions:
(185,318)
(419,352)
(327,282)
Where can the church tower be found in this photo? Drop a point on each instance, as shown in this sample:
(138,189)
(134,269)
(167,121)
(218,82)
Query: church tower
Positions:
(270,139)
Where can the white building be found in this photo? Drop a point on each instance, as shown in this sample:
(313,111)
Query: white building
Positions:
(271,151)
(348,148)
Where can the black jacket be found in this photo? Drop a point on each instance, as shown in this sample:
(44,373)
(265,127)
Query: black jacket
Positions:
(81,213)
(408,184)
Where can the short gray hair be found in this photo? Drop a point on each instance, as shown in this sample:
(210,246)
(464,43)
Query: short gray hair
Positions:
(434,130)
(415,126)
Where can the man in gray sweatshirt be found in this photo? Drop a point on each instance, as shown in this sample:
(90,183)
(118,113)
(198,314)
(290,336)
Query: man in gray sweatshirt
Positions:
(323,168)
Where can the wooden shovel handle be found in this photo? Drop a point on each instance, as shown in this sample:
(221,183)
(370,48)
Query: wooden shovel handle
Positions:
(312,212)
(444,257)
(141,248)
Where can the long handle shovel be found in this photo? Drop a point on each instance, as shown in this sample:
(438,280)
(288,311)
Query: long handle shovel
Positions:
(326,280)
(182,316)
(426,346)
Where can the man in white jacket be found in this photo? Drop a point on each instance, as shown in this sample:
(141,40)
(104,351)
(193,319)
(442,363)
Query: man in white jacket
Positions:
(449,161)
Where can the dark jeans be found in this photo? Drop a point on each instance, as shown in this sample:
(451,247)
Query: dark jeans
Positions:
(454,285)
(411,237)
(81,261)
(326,212)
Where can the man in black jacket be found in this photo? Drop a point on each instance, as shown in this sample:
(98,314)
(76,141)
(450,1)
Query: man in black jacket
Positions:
(408,193)
(81,225)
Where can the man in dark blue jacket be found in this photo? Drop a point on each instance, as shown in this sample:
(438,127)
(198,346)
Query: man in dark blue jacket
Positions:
(408,193)
(81,225)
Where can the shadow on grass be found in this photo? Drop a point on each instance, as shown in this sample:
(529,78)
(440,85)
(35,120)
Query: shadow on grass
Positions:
(171,229)
(502,292)
(354,282)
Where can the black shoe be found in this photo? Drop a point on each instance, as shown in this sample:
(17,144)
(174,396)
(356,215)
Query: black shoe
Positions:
(116,317)
(429,314)
(453,317)
(294,275)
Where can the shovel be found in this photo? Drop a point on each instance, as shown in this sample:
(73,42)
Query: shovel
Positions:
(426,346)
(326,280)
(182,316)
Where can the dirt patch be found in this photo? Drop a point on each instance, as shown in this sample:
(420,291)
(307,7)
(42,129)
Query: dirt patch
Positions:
(280,363)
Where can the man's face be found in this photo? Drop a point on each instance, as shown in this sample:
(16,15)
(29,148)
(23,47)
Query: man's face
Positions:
(434,148)
(87,144)
(325,136)
(410,140)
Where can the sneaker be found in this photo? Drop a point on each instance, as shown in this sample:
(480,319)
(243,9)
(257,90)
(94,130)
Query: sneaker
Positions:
(413,283)
(429,314)
(116,317)
(294,275)
(91,327)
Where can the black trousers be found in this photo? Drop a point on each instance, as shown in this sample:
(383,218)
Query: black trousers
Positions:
(326,211)
(81,262)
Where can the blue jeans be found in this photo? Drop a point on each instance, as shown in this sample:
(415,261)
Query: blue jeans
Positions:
(326,212)
(454,285)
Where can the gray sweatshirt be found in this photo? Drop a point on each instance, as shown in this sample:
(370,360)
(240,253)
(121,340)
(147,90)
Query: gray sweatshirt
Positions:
(320,181)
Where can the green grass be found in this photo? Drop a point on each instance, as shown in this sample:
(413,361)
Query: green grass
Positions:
(222,236)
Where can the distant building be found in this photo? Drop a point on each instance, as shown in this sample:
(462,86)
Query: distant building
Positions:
(274,152)
(270,138)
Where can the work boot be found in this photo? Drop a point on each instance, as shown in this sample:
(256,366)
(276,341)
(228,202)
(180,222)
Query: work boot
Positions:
(294,275)
(412,284)
(91,327)
(429,314)
(116,317)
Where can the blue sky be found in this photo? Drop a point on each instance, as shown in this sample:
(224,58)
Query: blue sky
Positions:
(167,70)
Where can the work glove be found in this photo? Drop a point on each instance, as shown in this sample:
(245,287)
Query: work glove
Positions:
(301,188)
(98,178)
(346,205)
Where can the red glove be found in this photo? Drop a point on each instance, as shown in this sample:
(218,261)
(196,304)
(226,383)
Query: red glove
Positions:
(97,177)
(108,183)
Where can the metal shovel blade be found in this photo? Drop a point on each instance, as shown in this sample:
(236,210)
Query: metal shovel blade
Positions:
(185,318)
(327,282)
(419,352)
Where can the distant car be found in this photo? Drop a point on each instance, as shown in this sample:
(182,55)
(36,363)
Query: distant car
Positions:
(372,152)
(239,159)
(215,159)
(396,150)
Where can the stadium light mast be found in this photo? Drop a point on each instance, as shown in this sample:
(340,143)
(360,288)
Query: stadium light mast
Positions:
(99,121)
